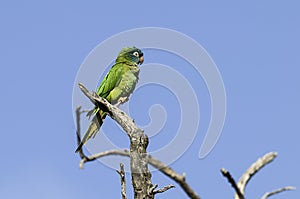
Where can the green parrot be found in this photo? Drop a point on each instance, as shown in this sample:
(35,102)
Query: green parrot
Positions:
(116,87)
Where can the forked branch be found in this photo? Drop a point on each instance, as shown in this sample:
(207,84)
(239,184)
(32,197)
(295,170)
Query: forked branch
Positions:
(249,173)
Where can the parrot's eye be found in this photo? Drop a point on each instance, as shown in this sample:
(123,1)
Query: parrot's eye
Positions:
(136,54)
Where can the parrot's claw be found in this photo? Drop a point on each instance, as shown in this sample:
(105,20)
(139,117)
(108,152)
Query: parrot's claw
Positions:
(122,100)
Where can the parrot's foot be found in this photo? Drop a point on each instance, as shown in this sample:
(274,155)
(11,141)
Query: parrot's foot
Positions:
(122,100)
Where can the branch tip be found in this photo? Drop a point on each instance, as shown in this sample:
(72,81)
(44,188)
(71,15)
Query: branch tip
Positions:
(121,172)
(166,188)
(231,180)
(254,168)
(268,194)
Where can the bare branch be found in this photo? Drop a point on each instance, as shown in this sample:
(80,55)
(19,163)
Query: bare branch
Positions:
(78,113)
(268,194)
(254,168)
(123,180)
(232,182)
(180,179)
(125,152)
(78,135)
(166,188)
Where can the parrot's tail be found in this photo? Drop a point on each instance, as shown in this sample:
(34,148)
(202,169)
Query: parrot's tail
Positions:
(93,129)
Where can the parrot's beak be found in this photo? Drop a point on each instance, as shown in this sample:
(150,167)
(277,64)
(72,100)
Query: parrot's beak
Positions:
(141,60)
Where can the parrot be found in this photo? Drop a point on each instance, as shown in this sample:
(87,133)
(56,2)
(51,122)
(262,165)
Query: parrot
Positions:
(116,87)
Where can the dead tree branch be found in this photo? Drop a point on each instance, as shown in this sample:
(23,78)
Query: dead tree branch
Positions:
(166,188)
(78,113)
(180,179)
(123,180)
(254,168)
(168,171)
(232,182)
(268,194)
(251,171)
(103,154)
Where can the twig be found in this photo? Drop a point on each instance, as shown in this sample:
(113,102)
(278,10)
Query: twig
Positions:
(166,188)
(123,180)
(254,168)
(78,113)
(232,182)
(125,152)
(268,194)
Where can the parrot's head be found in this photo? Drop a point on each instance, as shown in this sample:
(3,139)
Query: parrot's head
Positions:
(131,54)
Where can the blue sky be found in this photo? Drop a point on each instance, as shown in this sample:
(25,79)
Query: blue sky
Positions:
(254,44)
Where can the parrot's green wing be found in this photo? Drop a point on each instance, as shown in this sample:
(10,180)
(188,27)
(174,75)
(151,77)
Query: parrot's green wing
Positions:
(120,80)
(111,80)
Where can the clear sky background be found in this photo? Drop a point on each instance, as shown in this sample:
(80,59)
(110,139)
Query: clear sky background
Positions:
(43,43)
